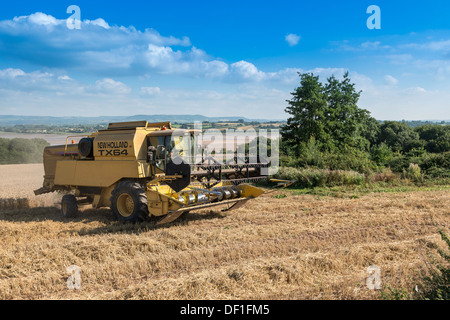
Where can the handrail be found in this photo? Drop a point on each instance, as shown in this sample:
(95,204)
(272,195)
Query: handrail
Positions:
(75,136)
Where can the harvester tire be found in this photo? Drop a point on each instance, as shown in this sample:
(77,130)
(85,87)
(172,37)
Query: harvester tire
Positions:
(69,206)
(129,202)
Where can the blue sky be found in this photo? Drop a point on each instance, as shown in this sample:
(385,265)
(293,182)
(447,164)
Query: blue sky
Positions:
(220,58)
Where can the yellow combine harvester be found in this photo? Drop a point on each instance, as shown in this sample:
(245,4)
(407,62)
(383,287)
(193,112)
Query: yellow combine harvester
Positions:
(128,167)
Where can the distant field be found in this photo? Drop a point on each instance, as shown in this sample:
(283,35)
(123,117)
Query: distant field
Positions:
(279,246)
(53,139)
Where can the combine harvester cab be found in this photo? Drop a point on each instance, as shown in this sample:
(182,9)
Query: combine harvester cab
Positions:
(129,168)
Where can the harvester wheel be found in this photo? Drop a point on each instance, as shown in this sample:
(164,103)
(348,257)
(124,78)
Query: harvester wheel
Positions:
(129,202)
(69,206)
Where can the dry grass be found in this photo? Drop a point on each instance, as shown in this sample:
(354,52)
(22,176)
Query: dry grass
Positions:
(298,247)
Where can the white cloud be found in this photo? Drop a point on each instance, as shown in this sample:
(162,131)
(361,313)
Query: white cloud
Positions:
(24,93)
(400,59)
(150,91)
(364,46)
(64,77)
(38,92)
(292,39)
(373,45)
(415,89)
(108,85)
(288,76)
(414,103)
(442,45)
(114,51)
(438,45)
(390,80)
(19,80)
(247,70)
(98,22)
(163,57)
(38,18)
(214,69)
(96,48)
(11,73)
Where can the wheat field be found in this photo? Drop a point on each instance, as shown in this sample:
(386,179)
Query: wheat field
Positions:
(297,247)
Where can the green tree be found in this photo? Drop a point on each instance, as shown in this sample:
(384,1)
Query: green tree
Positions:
(19,150)
(346,123)
(436,137)
(307,108)
(399,136)
(330,115)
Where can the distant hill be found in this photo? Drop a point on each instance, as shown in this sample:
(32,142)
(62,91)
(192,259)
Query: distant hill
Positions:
(10,120)
(417,123)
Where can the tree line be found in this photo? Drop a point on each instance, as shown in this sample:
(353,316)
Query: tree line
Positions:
(327,129)
(19,150)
